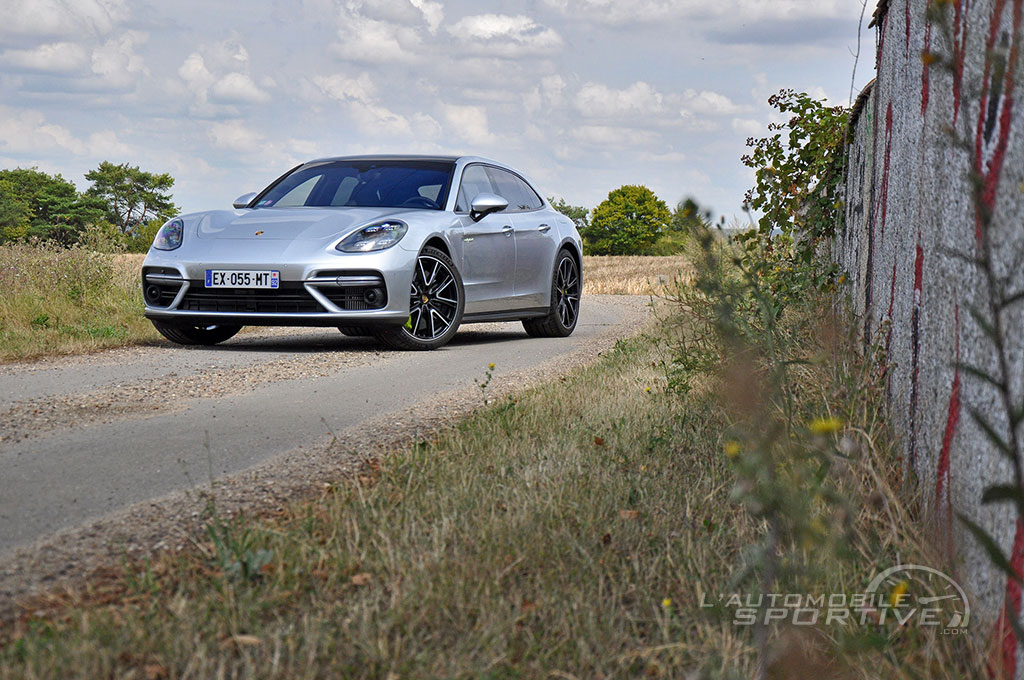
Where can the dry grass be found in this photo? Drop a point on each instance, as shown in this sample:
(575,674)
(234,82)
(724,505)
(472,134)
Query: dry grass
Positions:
(568,533)
(64,301)
(633,275)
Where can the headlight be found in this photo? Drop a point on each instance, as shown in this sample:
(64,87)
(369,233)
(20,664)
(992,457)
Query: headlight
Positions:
(375,237)
(169,236)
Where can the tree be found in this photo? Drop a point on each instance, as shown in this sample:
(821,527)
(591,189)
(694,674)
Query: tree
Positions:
(15,213)
(577,213)
(132,196)
(628,222)
(689,216)
(55,208)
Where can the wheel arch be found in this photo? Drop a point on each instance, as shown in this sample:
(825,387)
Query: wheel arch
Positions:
(570,245)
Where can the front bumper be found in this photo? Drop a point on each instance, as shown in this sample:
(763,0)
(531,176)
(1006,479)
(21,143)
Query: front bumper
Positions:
(366,289)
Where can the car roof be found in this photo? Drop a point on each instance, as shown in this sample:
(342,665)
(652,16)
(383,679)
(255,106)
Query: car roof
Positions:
(405,157)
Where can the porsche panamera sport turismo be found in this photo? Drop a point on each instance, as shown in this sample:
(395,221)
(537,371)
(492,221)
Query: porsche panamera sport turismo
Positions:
(404,248)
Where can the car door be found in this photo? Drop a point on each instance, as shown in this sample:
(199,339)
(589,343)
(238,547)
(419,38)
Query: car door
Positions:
(536,237)
(488,248)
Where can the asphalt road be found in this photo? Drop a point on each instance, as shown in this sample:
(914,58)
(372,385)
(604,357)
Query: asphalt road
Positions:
(87,436)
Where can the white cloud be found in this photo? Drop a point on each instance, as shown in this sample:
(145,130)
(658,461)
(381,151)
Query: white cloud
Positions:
(59,57)
(237,88)
(648,11)
(595,99)
(234,136)
(51,18)
(506,35)
(27,131)
(470,123)
(748,127)
(343,88)
(433,12)
(610,136)
(359,97)
(708,103)
(218,77)
(116,61)
(363,39)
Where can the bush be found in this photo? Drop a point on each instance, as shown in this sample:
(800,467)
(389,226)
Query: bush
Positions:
(629,222)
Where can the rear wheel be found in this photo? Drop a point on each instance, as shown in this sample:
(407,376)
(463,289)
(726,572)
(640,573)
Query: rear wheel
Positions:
(196,335)
(436,303)
(566,287)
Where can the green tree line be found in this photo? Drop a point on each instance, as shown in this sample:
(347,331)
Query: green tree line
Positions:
(634,221)
(122,208)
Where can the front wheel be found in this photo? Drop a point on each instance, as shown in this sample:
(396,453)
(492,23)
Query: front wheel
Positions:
(436,303)
(566,288)
(196,335)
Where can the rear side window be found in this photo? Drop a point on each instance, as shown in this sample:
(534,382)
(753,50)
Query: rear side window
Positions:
(474,181)
(513,189)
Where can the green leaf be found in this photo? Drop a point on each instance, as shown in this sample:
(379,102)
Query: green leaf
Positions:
(981,375)
(995,553)
(1003,492)
(985,324)
(990,432)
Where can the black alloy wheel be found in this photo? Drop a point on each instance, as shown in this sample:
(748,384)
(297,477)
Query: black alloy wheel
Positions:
(436,303)
(566,290)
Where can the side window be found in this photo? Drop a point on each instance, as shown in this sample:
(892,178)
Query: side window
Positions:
(518,193)
(533,201)
(474,181)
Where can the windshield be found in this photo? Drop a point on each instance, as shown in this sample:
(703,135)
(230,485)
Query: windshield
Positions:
(363,184)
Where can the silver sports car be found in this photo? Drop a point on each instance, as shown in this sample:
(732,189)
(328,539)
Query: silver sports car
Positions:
(404,248)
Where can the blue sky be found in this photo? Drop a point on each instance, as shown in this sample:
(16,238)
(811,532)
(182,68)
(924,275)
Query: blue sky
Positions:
(582,95)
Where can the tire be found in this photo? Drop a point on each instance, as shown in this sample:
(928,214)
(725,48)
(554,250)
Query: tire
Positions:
(566,290)
(196,335)
(356,331)
(438,293)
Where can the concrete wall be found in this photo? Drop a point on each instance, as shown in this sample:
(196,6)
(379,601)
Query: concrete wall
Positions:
(910,207)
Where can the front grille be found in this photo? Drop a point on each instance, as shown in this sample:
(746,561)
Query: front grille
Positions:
(290,298)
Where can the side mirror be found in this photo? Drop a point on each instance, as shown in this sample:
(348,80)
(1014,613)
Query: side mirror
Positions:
(244,200)
(484,204)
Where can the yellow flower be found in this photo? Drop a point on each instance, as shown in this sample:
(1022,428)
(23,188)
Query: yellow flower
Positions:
(667,602)
(825,425)
(898,593)
(731,448)
(490,367)
(647,389)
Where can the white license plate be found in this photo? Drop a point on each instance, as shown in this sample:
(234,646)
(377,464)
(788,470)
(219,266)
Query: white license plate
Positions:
(224,278)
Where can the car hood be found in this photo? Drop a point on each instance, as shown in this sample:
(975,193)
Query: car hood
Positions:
(289,224)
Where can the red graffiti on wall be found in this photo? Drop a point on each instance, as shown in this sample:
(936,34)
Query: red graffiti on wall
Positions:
(1003,663)
(906,25)
(915,347)
(884,199)
(996,110)
(960,9)
(926,59)
(942,492)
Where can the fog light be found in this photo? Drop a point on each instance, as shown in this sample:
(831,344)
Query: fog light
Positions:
(152,294)
(373,295)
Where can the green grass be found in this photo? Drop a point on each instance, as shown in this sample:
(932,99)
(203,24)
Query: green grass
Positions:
(67,300)
(565,533)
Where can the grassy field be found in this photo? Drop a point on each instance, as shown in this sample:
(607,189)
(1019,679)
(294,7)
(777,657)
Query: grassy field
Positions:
(63,301)
(73,300)
(566,533)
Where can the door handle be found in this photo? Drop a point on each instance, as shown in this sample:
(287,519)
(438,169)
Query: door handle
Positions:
(507,230)
(544,228)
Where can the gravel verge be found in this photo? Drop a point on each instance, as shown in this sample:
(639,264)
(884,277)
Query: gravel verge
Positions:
(61,567)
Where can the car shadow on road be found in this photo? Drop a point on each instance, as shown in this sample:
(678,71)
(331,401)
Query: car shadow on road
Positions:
(318,341)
